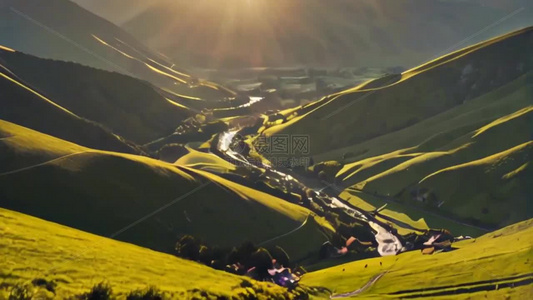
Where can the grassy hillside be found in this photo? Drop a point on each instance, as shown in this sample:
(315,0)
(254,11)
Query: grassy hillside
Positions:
(105,192)
(361,114)
(75,261)
(435,132)
(129,107)
(471,106)
(205,161)
(495,266)
(494,190)
(24,106)
(466,175)
(466,148)
(62,30)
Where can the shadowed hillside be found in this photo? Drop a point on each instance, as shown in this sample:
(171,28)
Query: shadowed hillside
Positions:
(24,106)
(127,106)
(105,192)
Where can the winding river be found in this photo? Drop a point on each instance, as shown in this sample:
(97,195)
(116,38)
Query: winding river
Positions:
(388,242)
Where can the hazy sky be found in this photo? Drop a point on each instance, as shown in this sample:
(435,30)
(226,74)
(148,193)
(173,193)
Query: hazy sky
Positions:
(117,11)
(325,32)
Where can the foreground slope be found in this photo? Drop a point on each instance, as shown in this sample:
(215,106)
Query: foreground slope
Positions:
(140,200)
(127,106)
(32,248)
(496,265)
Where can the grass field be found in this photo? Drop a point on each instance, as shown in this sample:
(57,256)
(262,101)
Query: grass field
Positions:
(436,132)
(205,161)
(75,261)
(411,215)
(496,258)
(456,160)
(486,195)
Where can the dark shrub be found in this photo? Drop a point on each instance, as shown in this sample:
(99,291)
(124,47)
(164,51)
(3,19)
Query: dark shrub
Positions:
(246,283)
(188,247)
(232,257)
(152,293)
(325,250)
(280,256)
(21,292)
(244,252)
(215,127)
(205,255)
(48,285)
(101,291)
(262,261)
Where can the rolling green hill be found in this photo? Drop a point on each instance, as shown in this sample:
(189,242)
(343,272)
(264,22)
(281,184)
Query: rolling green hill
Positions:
(105,193)
(75,261)
(127,106)
(462,170)
(436,132)
(462,151)
(494,266)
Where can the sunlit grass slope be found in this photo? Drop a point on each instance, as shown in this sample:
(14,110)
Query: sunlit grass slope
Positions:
(105,192)
(409,215)
(435,132)
(494,190)
(481,176)
(205,161)
(369,111)
(32,248)
(511,130)
(25,106)
(492,261)
(129,107)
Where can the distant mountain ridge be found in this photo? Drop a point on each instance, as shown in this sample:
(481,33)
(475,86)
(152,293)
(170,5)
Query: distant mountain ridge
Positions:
(263,33)
(62,30)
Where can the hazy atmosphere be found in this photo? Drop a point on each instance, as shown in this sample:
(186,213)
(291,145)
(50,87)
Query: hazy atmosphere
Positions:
(266,149)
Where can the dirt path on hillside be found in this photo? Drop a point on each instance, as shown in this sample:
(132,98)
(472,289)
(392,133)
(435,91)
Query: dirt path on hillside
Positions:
(365,287)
